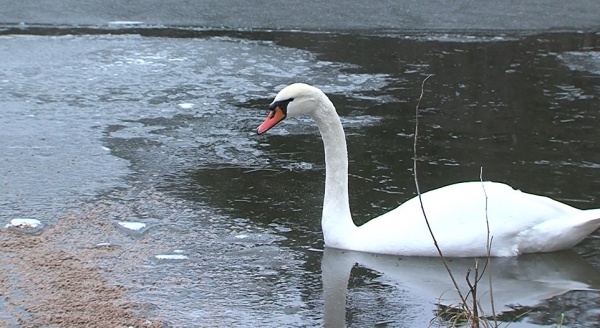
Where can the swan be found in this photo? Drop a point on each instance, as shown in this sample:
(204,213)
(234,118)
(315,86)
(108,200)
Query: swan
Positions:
(519,222)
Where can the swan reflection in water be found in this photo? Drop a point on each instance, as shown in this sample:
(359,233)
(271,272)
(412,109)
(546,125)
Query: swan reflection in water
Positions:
(518,283)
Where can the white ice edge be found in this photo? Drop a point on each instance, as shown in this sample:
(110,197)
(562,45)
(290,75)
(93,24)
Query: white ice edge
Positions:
(125,23)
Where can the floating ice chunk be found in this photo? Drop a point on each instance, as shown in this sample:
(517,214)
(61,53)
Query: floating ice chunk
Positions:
(171,257)
(136,226)
(24,223)
(186,105)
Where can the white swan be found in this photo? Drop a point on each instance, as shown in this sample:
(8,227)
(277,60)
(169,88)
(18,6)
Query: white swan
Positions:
(519,222)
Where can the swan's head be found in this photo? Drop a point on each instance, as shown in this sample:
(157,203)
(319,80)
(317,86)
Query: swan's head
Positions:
(294,100)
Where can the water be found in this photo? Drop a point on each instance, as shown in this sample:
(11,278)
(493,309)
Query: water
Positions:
(161,130)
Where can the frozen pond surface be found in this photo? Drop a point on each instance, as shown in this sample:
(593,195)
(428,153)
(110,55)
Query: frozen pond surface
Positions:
(215,226)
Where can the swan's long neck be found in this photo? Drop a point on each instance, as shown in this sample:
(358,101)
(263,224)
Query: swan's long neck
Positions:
(338,227)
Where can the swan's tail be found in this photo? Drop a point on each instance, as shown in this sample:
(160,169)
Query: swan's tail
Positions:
(589,221)
(593,216)
(560,233)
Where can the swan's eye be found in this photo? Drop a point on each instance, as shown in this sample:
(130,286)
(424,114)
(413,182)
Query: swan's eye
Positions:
(281,104)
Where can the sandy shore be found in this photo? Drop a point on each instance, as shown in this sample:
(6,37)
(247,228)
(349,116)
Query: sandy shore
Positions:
(61,276)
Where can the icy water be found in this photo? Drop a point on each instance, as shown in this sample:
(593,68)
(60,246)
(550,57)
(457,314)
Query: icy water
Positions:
(158,127)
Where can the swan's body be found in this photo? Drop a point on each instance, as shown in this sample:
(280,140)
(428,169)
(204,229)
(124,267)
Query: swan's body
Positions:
(518,222)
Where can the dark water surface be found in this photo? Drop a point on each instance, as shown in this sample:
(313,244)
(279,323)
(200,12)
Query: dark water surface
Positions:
(163,126)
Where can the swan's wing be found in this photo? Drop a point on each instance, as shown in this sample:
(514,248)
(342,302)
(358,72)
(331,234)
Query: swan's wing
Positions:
(457,215)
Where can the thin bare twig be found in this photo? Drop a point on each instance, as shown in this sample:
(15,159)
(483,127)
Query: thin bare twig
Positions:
(489,248)
(463,300)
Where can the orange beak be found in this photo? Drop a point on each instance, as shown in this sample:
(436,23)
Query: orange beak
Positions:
(275,116)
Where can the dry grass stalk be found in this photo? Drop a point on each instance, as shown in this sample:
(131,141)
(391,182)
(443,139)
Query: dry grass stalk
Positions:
(471,313)
(416,137)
